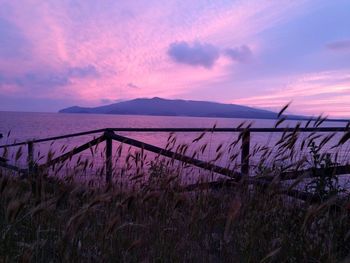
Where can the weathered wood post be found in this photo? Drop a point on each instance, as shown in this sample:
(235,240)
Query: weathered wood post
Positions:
(108,155)
(245,153)
(33,171)
(30,159)
(30,164)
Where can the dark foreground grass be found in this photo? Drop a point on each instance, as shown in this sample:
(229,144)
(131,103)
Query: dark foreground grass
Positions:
(50,220)
(74,223)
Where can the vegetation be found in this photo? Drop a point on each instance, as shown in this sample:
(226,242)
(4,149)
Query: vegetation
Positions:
(72,223)
(46,219)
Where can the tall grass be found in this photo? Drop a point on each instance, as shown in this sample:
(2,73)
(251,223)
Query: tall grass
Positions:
(74,223)
(157,219)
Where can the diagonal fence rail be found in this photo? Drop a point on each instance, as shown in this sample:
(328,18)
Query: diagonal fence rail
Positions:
(111,134)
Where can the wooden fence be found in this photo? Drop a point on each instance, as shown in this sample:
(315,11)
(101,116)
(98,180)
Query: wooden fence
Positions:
(112,134)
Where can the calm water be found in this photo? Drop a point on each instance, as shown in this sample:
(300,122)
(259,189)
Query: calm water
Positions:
(25,126)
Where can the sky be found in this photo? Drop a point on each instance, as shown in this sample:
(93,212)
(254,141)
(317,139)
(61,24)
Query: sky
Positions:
(59,53)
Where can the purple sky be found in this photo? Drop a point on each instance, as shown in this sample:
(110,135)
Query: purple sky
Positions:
(55,54)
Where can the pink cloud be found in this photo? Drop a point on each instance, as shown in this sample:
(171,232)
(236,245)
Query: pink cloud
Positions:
(321,92)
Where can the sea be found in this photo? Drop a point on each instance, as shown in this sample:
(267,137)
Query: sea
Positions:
(220,147)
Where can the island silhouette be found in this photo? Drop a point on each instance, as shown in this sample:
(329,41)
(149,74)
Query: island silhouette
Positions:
(165,107)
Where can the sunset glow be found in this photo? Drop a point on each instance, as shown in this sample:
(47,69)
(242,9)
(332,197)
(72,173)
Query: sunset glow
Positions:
(55,54)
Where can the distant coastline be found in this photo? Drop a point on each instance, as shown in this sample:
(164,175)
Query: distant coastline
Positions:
(185,108)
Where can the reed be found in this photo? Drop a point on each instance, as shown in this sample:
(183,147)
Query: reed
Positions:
(152,216)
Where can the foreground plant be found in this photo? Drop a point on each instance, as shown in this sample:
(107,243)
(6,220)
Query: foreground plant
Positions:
(75,223)
(148,214)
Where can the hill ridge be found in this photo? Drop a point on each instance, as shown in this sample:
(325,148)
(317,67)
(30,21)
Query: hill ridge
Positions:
(157,106)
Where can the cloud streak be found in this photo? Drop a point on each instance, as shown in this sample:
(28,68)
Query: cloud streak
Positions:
(133,86)
(314,93)
(339,45)
(46,81)
(239,54)
(197,54)
(205,54)
(13,42)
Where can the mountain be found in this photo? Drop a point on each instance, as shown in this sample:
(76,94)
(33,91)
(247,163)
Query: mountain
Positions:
(165,107)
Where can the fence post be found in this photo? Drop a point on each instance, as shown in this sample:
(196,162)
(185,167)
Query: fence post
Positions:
(33,171)
(245,153)
(30,159)
(108,155)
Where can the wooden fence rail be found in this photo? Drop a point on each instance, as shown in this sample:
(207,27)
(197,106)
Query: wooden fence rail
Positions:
(183,130)
(110,134)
